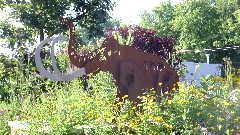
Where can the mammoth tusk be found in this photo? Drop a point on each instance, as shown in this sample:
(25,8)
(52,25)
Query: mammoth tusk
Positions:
(68,76)
(39,64)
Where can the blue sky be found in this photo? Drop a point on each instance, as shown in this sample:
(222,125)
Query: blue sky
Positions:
(129,10)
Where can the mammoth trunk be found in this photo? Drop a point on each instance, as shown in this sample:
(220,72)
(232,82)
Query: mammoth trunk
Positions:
(76,59)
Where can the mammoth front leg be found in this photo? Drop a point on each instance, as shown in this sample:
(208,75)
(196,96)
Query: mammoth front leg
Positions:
(131,82)
(133,79)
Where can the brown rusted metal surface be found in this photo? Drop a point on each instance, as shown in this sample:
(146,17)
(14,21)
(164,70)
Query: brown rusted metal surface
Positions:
(134,72)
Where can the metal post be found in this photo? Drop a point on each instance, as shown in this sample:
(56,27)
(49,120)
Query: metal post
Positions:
(208,58)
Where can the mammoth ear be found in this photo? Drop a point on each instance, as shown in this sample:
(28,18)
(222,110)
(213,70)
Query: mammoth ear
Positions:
(110,41)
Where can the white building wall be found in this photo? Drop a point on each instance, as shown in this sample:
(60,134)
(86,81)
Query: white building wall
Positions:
(194,76)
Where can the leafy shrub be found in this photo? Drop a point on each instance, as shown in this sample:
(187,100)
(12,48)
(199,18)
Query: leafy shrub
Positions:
(147,41)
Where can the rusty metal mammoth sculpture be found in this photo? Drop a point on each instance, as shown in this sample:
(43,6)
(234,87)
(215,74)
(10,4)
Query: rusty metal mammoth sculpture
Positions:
(134,72)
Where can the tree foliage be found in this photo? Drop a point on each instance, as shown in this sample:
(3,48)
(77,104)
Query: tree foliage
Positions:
(29,19)
(160,19)
(198,25)
(43,16)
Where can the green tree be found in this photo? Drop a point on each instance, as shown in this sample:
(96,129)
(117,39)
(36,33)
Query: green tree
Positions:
(227,10)
(160,19)
(43,16)
(197,25)
(229,32)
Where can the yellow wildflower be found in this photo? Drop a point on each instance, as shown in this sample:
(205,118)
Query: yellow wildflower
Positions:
(211,128)
(220,119)
(120,103)
(181,90)
(235,119)
(159,120)
(73,106)
(180,101)
(151,89)
(216,78)
(169,126)
(126,96)
(169,102)
(219,127)
(119,126)
(191,87)
(132,112)
(238,71)
(226,103)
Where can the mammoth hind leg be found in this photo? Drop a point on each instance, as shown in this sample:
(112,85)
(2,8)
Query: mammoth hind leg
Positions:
(167,82)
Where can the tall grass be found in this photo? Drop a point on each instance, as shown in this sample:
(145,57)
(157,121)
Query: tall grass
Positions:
(212,107)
